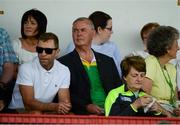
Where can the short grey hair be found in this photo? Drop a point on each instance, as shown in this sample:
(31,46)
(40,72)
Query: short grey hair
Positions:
(85,19)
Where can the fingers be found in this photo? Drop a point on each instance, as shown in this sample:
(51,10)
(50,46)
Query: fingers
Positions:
(99,110)
(2,105)
(146,100)
(64,108)
(92,108)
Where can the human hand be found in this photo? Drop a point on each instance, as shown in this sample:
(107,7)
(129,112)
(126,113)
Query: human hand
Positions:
(142,101)
(177,111)
(159,109)
(92,108)
(64,107)
(155,107)
(2,105)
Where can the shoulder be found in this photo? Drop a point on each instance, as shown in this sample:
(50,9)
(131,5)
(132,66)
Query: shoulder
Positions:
(150,58)
(61,66)
(68,57)
(102,56)
(171,67)
(3,32)
(115,92)
(16,44)
(29,65)
(64,59)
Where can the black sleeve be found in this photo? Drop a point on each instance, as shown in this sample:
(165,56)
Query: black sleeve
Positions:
(121,108)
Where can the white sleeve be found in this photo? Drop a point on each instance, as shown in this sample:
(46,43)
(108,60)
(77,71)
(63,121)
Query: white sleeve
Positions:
(66,79)
(25,75)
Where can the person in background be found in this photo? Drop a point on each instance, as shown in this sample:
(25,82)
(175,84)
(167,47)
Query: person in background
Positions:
(8,62)
(41,79)
(33,23)
(178,73)
(160,79)
(145,31)
(129,99)
(101,41)
(93,74)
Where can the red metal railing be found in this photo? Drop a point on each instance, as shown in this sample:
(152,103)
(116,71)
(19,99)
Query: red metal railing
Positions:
(77,119)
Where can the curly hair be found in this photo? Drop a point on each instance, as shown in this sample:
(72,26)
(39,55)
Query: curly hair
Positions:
(161,39)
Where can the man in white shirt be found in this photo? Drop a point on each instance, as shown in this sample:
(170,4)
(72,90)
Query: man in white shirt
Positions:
(41,79)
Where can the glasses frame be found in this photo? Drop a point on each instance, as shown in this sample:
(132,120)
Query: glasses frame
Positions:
(109,28)
(40,50)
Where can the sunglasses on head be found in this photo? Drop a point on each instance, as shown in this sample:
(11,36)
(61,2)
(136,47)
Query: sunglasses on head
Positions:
(47,50)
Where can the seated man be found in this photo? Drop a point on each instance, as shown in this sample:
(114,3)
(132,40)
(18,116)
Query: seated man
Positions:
(8,63)
(93,74)
(42,78)
(129,99)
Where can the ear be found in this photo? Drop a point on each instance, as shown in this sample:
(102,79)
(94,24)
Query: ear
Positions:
(99,29)
(124,78)
(57,53)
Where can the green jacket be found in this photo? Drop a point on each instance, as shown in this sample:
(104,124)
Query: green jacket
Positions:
(119,100)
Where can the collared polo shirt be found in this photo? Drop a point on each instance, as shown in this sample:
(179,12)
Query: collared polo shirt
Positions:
(46,84)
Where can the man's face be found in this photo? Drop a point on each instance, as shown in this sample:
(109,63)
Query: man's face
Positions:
(82,33)
(47,53)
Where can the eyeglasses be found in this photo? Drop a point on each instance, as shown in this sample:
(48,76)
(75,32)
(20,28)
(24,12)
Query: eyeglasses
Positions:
(47,50)
(109,28)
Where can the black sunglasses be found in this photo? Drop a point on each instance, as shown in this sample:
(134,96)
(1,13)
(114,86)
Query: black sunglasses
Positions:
(47,50)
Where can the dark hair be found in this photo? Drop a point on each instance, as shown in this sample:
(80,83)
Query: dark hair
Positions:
(137,62)
(161,39)
(39,17)
(148,28)
(99,19)
(47,36)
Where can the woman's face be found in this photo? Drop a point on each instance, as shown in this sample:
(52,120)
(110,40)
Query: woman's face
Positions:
(105,33)
(134,79)
(30,27)
(173,50)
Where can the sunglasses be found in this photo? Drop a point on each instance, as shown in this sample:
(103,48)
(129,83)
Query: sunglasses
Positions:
(47,50)
(109,28)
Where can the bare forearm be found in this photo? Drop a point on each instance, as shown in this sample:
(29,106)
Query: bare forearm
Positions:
(40,106)
(8,72)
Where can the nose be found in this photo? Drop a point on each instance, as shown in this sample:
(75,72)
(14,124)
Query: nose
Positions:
(43,53)
(139,78)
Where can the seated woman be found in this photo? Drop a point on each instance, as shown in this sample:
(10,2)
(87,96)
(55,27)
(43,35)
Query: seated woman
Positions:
(160,79)
(129,99)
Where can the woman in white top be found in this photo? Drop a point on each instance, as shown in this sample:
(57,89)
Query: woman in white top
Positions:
(33,23)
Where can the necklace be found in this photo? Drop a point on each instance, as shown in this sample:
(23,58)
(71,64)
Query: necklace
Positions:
(168,81)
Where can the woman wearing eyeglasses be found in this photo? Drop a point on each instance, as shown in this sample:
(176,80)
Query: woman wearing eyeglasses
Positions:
(101,41)
(33,23)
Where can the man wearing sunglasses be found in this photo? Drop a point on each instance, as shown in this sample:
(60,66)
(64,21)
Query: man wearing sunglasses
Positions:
(93,74)
(42,78)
